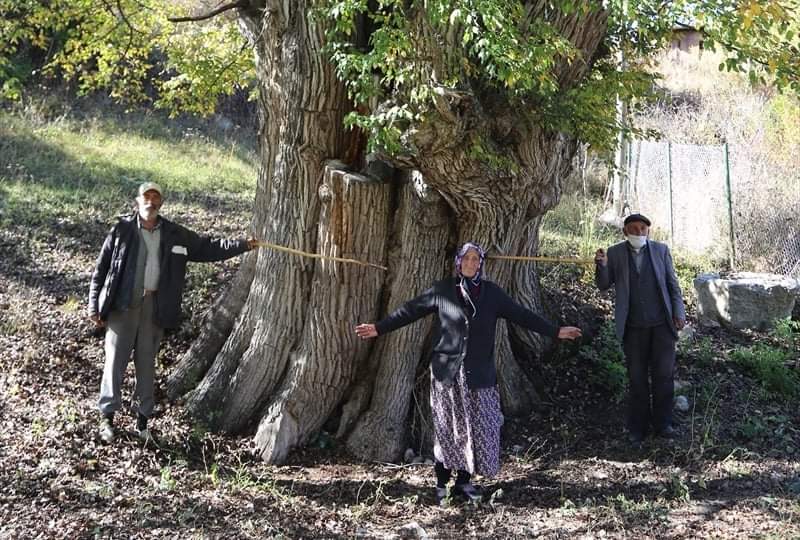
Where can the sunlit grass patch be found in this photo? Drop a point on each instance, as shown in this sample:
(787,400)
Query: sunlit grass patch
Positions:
(78,169)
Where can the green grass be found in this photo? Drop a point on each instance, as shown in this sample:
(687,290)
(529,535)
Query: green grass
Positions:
(71,168)
(571,230)
(767,365)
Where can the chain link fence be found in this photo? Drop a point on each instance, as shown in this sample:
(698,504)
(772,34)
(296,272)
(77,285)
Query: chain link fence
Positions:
(722,201)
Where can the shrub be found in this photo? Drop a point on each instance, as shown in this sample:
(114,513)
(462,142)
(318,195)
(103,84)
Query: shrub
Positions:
(608,370)
(787,333)
(767,365)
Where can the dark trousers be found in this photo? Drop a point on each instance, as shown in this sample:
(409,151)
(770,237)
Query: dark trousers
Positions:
(650,356)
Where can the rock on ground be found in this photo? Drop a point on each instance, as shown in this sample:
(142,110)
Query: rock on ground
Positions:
(744,300)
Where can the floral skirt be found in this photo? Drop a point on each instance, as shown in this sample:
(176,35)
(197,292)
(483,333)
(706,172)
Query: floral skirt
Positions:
(466,426)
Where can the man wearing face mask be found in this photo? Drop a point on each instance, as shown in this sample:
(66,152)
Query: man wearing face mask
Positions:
(135,293)
(648,313)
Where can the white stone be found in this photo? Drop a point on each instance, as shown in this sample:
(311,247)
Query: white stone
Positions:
(679,385)
(686,333)
(412,530)
(681,404)
(409,455)
(497,494)
(745,299)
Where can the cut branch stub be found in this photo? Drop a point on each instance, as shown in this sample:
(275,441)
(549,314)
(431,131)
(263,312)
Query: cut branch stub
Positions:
(353,223)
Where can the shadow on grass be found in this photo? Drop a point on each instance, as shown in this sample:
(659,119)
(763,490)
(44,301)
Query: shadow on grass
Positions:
(241,138)
(56,210)
(22,268)
(31,161)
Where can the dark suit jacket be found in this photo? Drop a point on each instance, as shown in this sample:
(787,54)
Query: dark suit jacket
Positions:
(112,281)
(617,272)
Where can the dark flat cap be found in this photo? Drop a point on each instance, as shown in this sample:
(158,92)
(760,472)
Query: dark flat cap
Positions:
(636,217)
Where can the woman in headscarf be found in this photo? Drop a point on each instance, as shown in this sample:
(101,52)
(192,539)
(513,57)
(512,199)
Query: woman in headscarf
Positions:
(465,400)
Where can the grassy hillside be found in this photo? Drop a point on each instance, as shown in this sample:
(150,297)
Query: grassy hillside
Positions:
(79,169)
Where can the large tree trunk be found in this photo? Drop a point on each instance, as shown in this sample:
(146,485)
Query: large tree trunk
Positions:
(375,417)
(279,353)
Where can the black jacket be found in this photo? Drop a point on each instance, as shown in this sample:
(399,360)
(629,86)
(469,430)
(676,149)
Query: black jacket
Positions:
(460,337)
(112,281)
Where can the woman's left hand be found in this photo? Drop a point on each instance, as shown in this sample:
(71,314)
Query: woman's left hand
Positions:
(569,332)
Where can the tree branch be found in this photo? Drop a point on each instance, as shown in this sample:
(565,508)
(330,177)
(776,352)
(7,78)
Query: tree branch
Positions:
(210,14)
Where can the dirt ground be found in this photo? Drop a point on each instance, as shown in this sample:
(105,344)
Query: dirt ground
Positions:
(568,471)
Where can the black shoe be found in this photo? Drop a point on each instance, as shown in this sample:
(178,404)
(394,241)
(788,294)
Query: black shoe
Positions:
(141,427)
(467,492)
(107,428)
(635,439)
(668,432)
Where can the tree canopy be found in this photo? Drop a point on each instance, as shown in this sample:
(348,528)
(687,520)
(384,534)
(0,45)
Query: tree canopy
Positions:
(397,57)
(127,48)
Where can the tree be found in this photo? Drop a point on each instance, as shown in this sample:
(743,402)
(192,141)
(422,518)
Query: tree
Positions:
(478,106)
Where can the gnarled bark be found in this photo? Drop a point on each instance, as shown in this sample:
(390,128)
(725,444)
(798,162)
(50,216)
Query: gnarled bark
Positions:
(286,361)
(379,420)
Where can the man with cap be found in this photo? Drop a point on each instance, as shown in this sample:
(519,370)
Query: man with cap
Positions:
(648,313)
(135,293)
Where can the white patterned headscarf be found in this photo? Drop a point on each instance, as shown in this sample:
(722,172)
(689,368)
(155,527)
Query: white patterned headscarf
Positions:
(474,280)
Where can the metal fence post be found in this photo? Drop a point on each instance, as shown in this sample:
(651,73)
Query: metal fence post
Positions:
(671,205)
(730,205)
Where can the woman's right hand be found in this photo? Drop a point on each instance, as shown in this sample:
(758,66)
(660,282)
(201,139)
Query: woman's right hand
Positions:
(366,331)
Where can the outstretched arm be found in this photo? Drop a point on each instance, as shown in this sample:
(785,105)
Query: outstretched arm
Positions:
(409,312)
(207,249)
(526,318)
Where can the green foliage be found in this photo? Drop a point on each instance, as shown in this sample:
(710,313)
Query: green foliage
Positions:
(752,428)
(704,352)
(505,54)
(421,52)
(704,427)
(787,333)
(782,127)
(699,352)
(767,364)
(126,47)
(760,38)
(677,489)
(633,512)
(687,267)
(167,482)
(608,362)
(479,150)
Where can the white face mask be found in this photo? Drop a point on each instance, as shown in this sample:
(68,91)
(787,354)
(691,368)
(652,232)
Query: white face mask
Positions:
(636,242)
